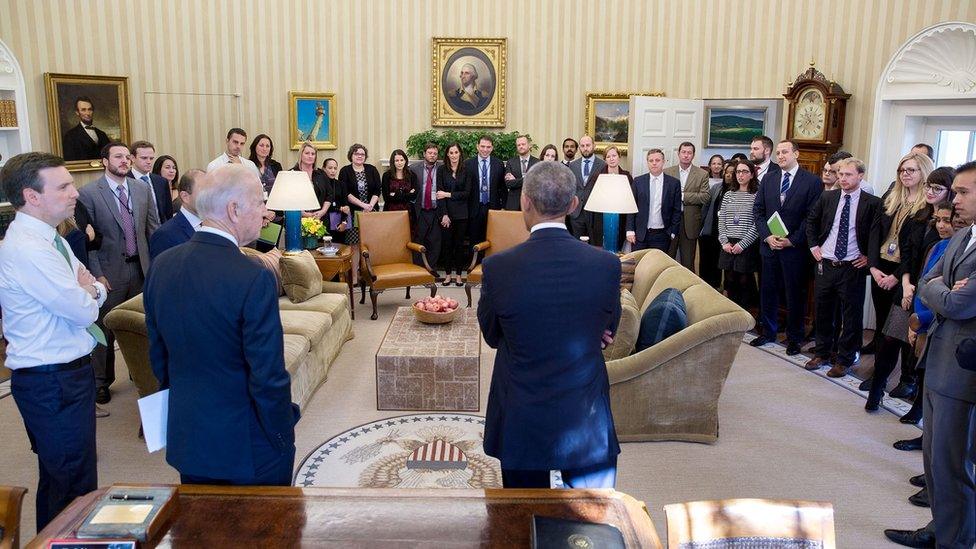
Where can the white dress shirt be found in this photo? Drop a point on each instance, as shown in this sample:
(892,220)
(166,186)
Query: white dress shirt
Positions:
(655,200)
(683,175)
(829,245)
(192,218)
(972,237)
(46,312)
(548,225)
(224,159)
(763,168)
(219,232)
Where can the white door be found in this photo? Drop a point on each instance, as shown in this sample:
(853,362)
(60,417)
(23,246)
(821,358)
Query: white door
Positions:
(662,123)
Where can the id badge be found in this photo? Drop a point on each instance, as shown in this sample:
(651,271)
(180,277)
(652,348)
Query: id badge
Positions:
(891,248)
(820,268)
(735,220)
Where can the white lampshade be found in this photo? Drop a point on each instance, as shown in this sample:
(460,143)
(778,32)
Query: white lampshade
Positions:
(611,194)
(292,190)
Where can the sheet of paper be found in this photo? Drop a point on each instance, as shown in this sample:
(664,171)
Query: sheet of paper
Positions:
(154,411)
(122,514)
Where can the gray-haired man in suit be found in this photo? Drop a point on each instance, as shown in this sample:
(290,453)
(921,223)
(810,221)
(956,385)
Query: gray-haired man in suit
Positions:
(949,404)
(122,211)
(584,166)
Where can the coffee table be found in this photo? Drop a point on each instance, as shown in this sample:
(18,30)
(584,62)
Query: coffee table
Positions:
(338,264)
(430,366)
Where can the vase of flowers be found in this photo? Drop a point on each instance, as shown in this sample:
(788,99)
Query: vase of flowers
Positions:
(312,230)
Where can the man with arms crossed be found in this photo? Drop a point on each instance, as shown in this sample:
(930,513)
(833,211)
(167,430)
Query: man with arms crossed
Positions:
(694,190)
(236,138)
(548,417)
(50,303)
(215,341)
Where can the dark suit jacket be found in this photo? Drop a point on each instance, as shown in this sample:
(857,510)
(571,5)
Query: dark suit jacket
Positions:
(76,144)
(347,176)
(457,205)
(514,187)
(174,232)
(867,223)
(549,403)
(577,167)
(215,340)
(164,202)
(496,183)
(670,206)
(955,320)
(805,189)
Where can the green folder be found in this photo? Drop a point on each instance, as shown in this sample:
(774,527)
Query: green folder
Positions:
(776,225)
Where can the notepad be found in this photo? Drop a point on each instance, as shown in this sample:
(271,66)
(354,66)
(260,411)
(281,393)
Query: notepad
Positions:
(122,514)
(776,226)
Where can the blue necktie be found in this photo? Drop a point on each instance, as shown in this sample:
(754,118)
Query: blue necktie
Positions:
(586,169)
(840,250)
(786,183)
(484,180)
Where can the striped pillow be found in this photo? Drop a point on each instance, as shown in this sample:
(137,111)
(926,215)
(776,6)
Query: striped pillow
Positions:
(664,317)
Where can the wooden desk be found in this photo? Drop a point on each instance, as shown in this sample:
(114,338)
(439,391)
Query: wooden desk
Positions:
(339,264)
(219,516)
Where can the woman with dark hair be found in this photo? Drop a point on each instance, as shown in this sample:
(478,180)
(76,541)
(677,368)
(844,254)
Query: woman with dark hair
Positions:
(454,189)
(738,236)
(708,245)
(397,184)
(262,150)
(361,184)
(308,157)
(338,215)
(165,167)
(594,220)
(551,151)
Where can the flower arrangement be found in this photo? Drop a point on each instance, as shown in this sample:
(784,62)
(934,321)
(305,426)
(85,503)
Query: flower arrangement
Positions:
(313,228)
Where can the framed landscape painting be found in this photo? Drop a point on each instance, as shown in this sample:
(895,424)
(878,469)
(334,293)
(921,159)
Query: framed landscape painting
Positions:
(608,119)
(733,127)
(312,118)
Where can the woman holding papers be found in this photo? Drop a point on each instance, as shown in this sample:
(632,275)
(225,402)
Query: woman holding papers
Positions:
(738,236)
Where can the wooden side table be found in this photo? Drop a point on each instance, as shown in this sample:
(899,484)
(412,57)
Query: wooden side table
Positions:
(339,264)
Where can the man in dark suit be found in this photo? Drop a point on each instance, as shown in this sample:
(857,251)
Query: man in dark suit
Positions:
(843,231)
(121,210)
(181,227)
(761,154)
(143,154)
(570,146)
(485,176)
(658,217)
(515,170)
(549,403)
(949,400)
(582,167)
(429,212)
(216,342)
(791,192)
(84,141)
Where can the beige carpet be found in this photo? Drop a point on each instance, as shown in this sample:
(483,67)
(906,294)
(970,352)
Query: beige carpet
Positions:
(785,433)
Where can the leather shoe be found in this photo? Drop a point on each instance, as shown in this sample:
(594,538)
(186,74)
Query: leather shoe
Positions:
(837,370)
(792,348)
(912,417)
(912,538)
(917,480)
(869,348)
(874,401)
(865,385)
(759,341)
(101,412)
(102,396)
(903,390)
(815,363)
(920,498)
(909,444)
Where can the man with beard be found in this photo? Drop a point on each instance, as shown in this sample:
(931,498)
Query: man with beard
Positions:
(760,153)
(122,211)
(570,146)
(582,167)
(84,141)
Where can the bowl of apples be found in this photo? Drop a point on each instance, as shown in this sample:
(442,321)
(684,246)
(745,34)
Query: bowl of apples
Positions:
(435,310)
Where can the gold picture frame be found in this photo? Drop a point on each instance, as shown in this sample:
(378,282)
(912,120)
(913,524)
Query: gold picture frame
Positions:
(304,123)
(608,118)
(468,82)
(108,99)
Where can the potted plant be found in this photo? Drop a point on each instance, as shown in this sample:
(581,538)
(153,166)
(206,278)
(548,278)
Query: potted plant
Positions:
(312,230)
(468,139)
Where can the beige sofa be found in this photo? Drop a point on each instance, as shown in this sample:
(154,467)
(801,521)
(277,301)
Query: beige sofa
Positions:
(315,331)
(670,391)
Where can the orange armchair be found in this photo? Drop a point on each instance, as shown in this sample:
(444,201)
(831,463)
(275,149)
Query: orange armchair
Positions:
(506,230)
(386,248)
(11,499)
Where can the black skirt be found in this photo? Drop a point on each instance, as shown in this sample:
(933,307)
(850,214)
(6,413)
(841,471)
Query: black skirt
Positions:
(746,262)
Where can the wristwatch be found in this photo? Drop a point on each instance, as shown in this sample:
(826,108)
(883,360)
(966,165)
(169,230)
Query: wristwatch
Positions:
(98,292)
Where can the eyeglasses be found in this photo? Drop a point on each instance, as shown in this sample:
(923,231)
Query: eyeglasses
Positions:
(833,172)
(743,171)
(909,171)
(360,153)
(937,189)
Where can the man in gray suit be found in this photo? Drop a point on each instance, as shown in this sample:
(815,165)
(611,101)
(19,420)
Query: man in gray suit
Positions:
(587,164)
(949,404)
(429,212)
(694,193)
(121,210)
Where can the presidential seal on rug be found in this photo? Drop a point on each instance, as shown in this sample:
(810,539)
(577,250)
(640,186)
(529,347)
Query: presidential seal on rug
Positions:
(412,451)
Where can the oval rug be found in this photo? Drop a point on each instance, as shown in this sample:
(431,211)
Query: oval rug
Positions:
(412,451)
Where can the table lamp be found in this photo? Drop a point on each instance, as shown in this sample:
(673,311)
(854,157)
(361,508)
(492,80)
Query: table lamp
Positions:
(292,193)
(611,196)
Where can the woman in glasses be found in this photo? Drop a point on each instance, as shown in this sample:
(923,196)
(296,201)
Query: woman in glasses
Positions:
(738,236)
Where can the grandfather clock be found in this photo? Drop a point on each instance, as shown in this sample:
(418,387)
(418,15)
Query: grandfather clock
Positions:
(816,117)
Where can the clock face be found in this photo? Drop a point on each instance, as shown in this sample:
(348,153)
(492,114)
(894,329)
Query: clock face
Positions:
(810,115)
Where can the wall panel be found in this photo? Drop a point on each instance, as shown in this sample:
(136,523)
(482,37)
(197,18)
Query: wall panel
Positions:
(376,57)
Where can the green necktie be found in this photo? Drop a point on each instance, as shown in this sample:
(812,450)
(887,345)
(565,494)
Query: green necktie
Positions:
(94,330)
